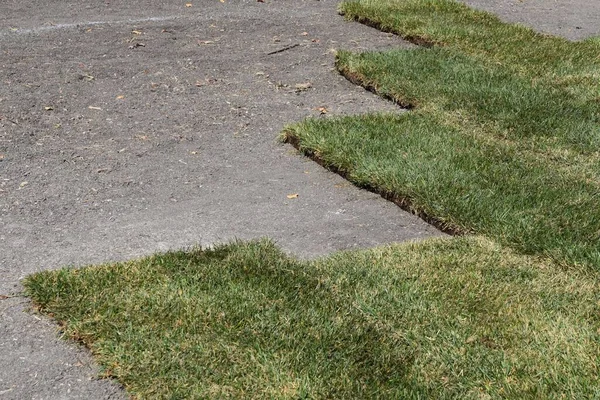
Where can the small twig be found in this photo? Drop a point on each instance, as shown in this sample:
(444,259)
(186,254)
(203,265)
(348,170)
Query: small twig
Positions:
(284,49)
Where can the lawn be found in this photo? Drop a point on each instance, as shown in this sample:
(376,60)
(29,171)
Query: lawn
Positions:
(499,145)
(503,133)
(446,318)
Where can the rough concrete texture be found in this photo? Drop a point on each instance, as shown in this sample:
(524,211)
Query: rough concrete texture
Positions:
(572,19)
(133,127)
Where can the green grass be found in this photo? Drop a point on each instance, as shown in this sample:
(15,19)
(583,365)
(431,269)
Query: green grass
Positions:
(451,318)
(503,138)
(450,24)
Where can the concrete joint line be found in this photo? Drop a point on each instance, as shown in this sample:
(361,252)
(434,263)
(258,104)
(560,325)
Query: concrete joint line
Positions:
(56,27)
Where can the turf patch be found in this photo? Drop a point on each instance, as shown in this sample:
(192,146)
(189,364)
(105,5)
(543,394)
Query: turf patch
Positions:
(503,138)
(439,319)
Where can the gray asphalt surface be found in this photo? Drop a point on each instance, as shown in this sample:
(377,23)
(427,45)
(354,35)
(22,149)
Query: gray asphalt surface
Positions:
(572,19)
(133,127)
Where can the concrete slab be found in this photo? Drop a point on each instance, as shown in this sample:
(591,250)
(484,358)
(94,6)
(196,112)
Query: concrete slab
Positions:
(571,19)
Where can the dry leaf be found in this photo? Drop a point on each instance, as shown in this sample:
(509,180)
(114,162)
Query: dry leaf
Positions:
(188,4)
(120,97)
(292,196)
(48,108)
(322,110)
(136,32)
(23,184)
(304,34)
(301,87)
(4,297)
